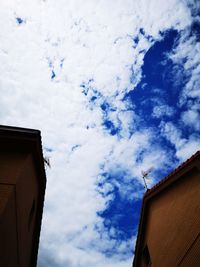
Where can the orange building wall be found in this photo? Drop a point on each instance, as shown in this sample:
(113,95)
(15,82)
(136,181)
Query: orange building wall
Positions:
(173,224)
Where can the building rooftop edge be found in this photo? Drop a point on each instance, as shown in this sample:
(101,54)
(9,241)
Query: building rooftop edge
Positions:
(171,174)
(15,129)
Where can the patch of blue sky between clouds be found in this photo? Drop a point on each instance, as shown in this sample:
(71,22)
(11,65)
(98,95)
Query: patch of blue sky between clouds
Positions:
(53,75)
(87,87)
(113,184)
(96,100)
(20,20)
(109,125)
(157,96)
(55,66)
(121,217)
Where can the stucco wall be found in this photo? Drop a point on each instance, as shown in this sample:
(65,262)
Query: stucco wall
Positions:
(18,204)
(173,223)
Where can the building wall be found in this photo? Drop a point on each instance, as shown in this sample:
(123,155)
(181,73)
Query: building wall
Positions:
(18,204)
(8,222)
(173,224)
(192,257)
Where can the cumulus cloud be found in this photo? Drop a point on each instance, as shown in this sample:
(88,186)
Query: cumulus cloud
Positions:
(184,147)
(163,110)
(66,67)
(186,54)
(192,118)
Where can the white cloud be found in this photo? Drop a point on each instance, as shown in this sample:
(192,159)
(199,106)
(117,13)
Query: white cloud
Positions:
(192,118)
(163,110)
(187,55)
(172,133)
(184,147)
(188,149)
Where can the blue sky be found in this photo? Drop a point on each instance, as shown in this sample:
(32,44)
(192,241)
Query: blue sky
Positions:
(114,88)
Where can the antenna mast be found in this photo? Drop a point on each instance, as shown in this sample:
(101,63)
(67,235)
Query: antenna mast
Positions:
(145,175)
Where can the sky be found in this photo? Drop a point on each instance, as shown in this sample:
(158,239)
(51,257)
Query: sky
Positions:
(114,87)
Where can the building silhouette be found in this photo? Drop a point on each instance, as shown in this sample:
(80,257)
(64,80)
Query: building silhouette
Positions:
(169,228)
(22,188)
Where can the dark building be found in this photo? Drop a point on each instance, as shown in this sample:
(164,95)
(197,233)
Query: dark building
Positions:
(22,188)
(169,229)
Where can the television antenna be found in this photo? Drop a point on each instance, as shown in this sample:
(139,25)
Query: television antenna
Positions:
(145,175)
(47,162)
